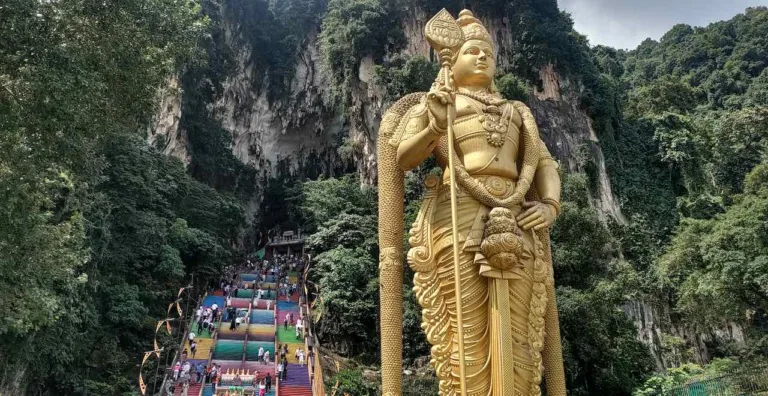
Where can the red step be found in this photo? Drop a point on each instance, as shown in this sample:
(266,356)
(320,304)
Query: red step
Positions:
(289,390)
(194,389)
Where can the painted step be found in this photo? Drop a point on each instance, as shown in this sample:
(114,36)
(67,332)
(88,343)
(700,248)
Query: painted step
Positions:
(204,346)
(208,390)
(288,390)
(297,376)
(194,389)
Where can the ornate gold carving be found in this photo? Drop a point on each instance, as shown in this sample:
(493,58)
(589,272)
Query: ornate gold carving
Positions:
(389,259)
(503,246)
(421,256)
(442,31)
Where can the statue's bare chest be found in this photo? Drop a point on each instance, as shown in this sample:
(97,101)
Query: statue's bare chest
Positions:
(487,137)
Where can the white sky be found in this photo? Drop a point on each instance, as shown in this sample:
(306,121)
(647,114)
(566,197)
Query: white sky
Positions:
(626,23)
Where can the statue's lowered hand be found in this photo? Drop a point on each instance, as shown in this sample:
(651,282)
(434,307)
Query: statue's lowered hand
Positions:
(537,216)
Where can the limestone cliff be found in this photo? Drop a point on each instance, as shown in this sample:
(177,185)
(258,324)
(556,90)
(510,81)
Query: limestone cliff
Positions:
(304,122)
(164,131)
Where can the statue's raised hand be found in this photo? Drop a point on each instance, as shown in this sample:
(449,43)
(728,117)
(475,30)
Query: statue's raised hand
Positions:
(537,215)
(437,102)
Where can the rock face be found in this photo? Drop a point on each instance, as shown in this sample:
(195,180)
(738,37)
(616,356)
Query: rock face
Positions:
(164,131)
(666,347)
(301,123)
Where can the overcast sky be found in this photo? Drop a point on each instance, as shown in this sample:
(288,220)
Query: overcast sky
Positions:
(626,23)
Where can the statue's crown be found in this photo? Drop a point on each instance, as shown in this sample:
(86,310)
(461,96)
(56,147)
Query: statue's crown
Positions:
(472,27)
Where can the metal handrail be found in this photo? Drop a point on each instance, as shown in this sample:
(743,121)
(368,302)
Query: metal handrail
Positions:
(745,382)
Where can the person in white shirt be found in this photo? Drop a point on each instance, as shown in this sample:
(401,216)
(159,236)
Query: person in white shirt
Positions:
(207,324)
(214,312)
(269,303)
(191,337)
(198,314)
(261,353)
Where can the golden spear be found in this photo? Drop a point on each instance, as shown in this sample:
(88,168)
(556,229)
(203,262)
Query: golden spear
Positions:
(444,35)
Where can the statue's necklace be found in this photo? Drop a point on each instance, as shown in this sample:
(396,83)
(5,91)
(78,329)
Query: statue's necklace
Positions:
(494,117)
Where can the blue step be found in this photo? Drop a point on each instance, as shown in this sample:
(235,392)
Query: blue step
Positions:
(208,390)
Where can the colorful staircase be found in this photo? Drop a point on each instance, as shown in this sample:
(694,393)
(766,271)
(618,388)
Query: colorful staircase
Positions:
(237,350)
(297,381)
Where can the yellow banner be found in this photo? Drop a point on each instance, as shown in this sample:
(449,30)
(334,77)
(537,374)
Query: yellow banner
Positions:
(142,385)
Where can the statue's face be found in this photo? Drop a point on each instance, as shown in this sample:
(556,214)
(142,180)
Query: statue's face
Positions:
(475,65)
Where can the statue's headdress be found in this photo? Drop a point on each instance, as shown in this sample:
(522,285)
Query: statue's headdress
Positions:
(472,27)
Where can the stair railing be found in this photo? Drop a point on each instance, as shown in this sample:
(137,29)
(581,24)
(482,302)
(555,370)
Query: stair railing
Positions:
(314,368)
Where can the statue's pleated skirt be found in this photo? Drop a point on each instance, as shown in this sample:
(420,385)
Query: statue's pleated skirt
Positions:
(481,340)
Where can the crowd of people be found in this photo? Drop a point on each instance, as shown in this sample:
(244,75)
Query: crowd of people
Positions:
(185,373)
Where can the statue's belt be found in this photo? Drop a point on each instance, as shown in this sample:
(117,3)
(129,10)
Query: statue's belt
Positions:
(497,186)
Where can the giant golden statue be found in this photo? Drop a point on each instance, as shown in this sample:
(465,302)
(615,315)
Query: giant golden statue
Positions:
(487,297)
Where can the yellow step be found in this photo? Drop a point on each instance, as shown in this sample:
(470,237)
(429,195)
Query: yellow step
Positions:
(204,346)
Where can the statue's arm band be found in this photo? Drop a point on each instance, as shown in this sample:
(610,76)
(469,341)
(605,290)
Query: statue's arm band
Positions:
(545,158)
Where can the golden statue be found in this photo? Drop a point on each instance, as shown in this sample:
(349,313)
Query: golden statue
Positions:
(487,298)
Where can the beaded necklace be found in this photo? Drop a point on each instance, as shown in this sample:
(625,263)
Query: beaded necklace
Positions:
(494,116)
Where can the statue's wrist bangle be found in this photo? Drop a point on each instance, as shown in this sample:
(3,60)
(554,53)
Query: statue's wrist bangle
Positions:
(553,203)
(436,130)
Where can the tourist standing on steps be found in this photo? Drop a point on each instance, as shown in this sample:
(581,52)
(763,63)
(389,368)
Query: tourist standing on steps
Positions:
(185,389)
(266,356)
(207,325)
(191,336)
(200,323)
(185,371)
(301,358)
(262,388)
(261,354)
(268,382)
(176,371)
(280,371)
(193,348)
(285,323)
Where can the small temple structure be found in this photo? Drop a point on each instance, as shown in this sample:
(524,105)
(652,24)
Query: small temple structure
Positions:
(287,243)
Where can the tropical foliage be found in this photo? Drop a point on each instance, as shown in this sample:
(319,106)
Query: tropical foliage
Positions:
(97,228)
